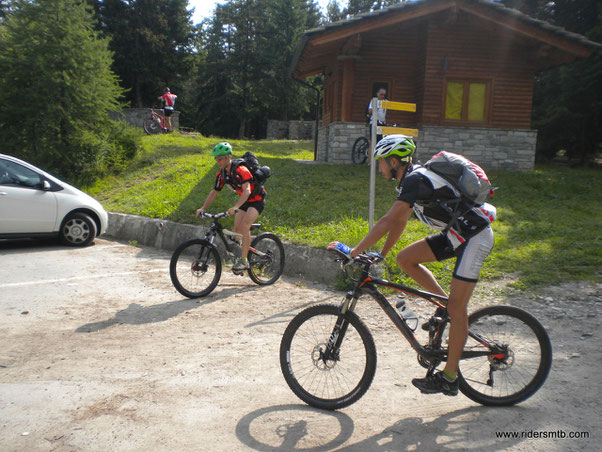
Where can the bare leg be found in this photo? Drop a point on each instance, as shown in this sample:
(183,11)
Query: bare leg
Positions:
(242,225)
(459,294)
(410,259)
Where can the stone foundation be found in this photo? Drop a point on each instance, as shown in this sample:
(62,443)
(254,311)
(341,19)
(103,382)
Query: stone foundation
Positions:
(490,148)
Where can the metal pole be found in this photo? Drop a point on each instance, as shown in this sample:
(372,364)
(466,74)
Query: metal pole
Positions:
(372,162)
(317,125)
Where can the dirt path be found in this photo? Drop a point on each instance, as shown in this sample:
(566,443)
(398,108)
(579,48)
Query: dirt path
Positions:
(99,352)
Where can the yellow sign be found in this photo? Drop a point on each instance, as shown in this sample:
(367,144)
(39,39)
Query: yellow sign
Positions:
(400,106)
(385,130)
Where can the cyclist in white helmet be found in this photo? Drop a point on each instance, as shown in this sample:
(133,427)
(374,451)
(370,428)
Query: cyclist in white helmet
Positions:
(468,237)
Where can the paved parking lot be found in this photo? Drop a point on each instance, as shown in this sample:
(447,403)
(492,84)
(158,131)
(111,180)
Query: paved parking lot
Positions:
(99,352)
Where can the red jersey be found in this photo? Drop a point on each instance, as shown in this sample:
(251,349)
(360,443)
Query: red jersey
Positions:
(169,100)
(236,179)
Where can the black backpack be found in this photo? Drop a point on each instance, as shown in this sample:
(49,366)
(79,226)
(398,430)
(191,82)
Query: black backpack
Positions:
(260,173)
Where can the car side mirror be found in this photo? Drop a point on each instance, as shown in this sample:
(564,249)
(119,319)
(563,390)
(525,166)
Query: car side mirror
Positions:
(46,185)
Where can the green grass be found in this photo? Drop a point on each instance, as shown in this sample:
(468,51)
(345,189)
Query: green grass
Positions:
(548,227)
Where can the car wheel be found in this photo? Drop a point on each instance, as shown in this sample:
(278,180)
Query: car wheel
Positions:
(78,229)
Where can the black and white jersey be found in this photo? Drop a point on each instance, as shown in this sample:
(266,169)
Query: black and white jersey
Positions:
(432,199)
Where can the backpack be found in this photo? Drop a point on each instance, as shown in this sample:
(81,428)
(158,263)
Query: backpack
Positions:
(260,173)
(466,177)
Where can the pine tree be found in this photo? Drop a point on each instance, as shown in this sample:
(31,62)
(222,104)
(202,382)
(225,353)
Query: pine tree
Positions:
(57,86)
(153,45)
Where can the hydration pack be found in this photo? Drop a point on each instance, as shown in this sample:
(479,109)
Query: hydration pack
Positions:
(466,177)
(260,173)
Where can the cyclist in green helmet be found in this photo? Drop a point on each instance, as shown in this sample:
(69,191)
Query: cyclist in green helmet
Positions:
(250,204)
(467,236)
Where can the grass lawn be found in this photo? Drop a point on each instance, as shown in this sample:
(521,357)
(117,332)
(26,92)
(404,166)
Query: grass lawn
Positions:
(548,227)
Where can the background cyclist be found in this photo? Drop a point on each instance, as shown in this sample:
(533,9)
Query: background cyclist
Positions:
(470,240)
(250,204)
(168,100)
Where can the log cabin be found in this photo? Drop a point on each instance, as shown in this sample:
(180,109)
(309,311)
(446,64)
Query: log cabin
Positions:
(468,65)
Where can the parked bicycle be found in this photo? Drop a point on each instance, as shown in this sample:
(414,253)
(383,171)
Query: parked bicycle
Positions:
(361,148)
(328,356)
(154,123)
(196,266)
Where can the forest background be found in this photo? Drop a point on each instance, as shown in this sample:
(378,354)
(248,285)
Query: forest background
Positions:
(65,64)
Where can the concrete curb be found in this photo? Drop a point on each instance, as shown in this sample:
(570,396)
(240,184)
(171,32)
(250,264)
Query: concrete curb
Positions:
(300,261)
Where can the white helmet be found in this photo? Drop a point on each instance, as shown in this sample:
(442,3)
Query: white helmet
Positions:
(401,146)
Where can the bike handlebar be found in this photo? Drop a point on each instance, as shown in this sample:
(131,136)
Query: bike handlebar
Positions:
(215,216)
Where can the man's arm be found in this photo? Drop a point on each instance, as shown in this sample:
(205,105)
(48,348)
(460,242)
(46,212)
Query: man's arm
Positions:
(210,198)
(393,224)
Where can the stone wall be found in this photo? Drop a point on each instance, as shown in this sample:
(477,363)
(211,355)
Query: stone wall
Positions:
(490,148)
(290,130)
(136,116)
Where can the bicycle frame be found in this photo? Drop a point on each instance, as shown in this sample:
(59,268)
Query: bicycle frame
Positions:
(367,284)
(216,229)
(158,117)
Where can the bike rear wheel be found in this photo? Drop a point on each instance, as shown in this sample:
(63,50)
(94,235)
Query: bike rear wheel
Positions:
(152,126)
(332,383)
(359,153)
(195,268)
(266,266)
(515,375)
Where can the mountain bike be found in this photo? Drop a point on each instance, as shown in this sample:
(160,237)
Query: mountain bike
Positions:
(361,148)
(154,123)
(196,266)
(328,356)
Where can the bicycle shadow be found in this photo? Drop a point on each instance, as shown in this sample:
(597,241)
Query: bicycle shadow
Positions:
(136,314)
(288,428)
(300,427)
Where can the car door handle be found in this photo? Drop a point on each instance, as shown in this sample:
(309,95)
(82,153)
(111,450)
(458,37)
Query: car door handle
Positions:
(3,193)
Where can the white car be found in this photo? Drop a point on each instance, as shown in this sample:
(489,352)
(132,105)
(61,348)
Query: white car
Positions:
(33,204)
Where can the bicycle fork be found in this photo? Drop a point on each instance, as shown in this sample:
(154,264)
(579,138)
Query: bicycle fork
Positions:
(340,328)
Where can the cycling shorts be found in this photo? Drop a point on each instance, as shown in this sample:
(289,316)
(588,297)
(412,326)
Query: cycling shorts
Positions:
(258,205)
(469,256)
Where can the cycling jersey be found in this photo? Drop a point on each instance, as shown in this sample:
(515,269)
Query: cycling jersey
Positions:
(169,100)
(236,179)
(432,198)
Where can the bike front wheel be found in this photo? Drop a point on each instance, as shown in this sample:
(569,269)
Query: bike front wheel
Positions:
(335,381)
(518,372)
(266,259)
(195,268)
(359,153)
(152,126)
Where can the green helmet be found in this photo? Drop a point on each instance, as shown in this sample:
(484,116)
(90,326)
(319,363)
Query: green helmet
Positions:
(222,149)
(398,145)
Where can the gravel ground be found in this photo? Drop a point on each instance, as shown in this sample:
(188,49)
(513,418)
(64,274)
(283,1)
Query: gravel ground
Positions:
(99,352)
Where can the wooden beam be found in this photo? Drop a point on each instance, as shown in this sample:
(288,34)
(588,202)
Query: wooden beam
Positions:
(380,21)
(347,91)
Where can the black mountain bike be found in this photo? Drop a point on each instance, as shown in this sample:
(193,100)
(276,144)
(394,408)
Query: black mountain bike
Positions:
(328,356)
(196,266)
(360,150)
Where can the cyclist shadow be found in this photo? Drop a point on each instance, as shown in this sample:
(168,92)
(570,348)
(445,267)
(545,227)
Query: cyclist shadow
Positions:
(136,314)
(472,428)
(293,427)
